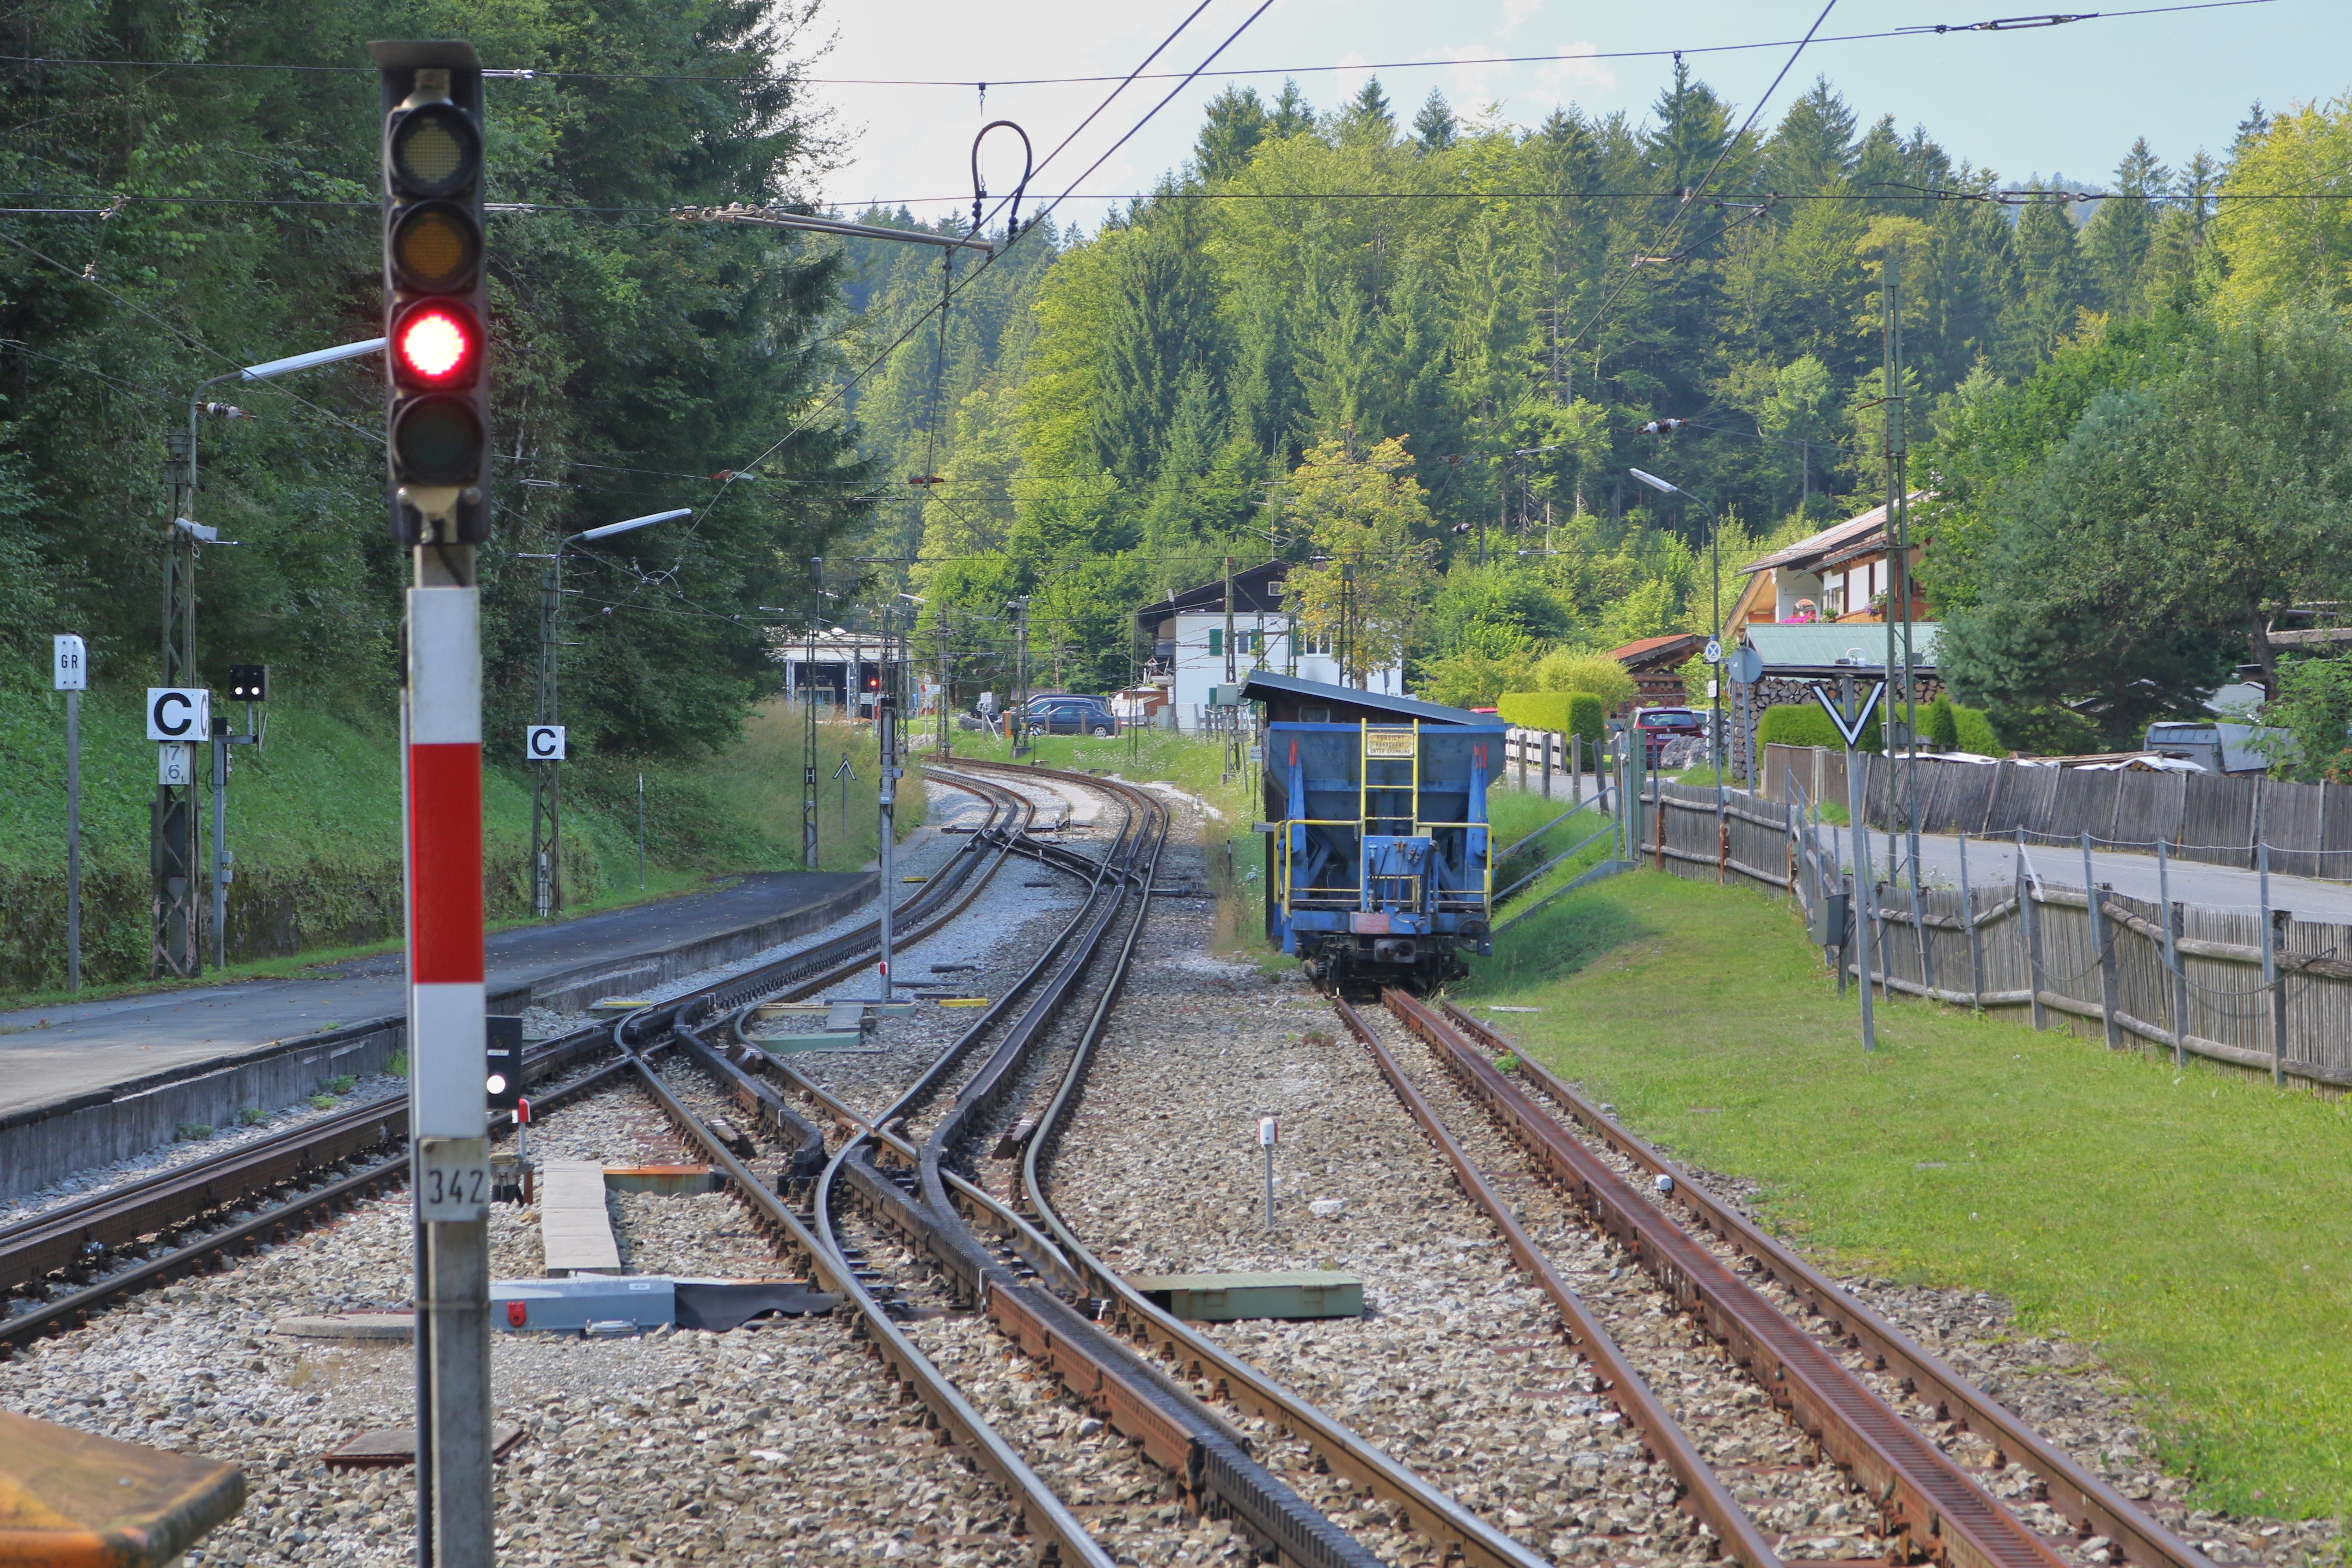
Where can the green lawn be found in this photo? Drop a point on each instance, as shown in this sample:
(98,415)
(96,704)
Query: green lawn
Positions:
(2196,1226)
(314,822)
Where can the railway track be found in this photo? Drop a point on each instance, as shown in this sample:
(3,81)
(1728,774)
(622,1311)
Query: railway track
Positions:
(890,1204)
(1934,1507)
(884,1216)
(82,1257)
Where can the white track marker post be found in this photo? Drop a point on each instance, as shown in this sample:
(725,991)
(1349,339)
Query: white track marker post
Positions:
(438,506)
(69,672)
(448,1057)
(1865,896)
(1269,1133)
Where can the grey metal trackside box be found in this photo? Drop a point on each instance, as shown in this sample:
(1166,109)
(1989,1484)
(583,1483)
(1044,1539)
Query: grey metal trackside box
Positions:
(1224,1297)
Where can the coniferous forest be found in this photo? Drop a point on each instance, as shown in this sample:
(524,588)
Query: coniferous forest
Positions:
(2124,391)
(1492,313)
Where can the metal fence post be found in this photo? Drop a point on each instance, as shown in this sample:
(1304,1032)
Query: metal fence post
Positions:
(2176,924)
(1976,937)
(2272,989)
(2029,910)
(2110,979)
(1861,890)
(2102,951)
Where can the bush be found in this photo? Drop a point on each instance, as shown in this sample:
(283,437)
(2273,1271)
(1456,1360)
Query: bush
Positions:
(1588,716)
(1804,724)
(1535,710)
(2043,731)
(1565,670)
(2315,706)
(1561,712)
(1974,732)
(252,1116)
(1943,730)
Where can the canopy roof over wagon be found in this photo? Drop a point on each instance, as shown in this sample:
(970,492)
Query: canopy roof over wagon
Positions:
(1290,701)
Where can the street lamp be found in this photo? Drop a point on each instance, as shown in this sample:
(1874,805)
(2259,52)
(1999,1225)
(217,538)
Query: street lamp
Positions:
(175,811)
(1715,550)
(547,799)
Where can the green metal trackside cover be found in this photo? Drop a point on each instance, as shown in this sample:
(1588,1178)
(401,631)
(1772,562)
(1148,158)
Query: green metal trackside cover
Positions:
(1224,1297)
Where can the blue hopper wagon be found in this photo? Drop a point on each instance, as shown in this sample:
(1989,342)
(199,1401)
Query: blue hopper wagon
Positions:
(1379,861)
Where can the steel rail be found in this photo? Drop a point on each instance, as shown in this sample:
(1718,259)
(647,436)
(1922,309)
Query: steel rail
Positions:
(1208,1458)
(81,1233)
(1616,1378)
(846,951)
(270,1225)
(1034,1245)
(1045,1512)
(1436,1516)
(2090,1503)
(1211,1459)
(1299,1531)
(1919,1491)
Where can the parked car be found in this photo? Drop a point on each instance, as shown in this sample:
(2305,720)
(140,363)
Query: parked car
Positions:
(1661,727)
(1064,714)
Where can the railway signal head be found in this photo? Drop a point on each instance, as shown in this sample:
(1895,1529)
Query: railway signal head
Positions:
(437,395)
(502,1053)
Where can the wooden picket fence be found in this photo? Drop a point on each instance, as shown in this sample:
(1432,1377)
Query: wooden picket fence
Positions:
(2187,979)
(2199,817)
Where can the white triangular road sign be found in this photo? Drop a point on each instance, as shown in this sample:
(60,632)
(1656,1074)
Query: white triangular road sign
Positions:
(1852,733)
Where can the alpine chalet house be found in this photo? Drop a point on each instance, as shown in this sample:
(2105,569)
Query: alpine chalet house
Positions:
(1187,634)
(1838,574)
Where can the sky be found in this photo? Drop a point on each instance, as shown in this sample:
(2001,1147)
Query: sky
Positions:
(2033,101)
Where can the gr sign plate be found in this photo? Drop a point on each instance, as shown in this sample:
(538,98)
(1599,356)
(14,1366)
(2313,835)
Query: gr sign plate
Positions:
(543,743)
(68,664)
(179,713)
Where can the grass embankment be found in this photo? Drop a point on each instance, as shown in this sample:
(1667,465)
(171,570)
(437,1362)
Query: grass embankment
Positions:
(313,818)
(2196,1226)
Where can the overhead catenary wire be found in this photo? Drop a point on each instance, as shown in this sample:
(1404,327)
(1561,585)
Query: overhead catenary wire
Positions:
(843,389)
(1683,209)
(965,84)
(1863,191)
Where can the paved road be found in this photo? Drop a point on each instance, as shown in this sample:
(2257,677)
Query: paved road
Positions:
(1992,861)
(49,1053)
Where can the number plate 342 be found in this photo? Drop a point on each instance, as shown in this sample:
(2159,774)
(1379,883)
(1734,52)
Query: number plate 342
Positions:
(453,1179)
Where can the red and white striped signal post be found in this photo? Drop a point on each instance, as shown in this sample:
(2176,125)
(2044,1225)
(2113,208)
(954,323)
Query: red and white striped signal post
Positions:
(437,459)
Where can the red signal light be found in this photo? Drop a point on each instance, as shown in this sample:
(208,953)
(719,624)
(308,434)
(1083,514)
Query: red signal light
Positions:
(438,345)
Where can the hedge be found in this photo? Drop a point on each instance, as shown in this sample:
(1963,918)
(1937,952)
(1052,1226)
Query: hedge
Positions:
(1804,724)
(1588,716)
(1537,710)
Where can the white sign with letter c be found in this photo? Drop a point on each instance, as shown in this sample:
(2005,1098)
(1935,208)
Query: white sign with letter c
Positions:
(542,743)
(179,713)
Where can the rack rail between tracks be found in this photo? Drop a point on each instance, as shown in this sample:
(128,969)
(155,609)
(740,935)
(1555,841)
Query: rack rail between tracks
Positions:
(2089,1503)
(197,1215)
(1921,1492)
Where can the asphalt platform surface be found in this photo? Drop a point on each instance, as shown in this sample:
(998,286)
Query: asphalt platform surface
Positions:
(53,1052)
